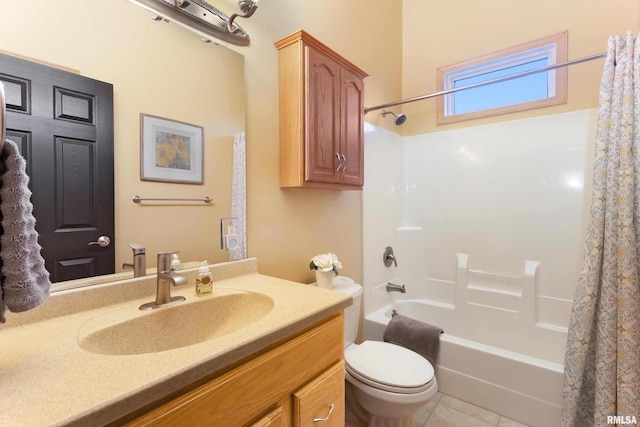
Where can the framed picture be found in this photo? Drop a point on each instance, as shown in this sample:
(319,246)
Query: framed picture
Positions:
(170,151)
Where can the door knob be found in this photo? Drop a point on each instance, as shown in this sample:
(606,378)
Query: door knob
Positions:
(103,241)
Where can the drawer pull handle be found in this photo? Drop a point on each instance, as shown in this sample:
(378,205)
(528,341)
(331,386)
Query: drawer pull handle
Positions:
(321,420)
(339,162)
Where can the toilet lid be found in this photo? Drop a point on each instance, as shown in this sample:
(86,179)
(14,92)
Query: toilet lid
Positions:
(390,365)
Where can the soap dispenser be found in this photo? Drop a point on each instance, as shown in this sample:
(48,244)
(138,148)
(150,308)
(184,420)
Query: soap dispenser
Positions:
(204,282)
(175,262)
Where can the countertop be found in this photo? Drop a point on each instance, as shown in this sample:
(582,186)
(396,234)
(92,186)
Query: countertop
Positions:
(48,380)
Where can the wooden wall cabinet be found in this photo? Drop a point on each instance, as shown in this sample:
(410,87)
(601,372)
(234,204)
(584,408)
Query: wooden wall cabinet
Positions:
(321,116)
(288,386)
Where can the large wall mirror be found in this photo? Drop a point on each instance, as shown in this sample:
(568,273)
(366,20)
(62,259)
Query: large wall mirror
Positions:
(158,69)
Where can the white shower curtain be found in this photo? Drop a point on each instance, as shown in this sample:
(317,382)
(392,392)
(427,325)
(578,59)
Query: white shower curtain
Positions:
(602,360)
(239,196)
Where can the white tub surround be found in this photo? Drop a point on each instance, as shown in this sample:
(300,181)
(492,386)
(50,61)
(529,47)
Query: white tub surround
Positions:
(498,351)
(502,193)
(492,308)
(487,225)
(41,353)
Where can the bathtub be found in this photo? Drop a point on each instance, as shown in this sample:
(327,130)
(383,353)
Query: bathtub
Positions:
(519,386)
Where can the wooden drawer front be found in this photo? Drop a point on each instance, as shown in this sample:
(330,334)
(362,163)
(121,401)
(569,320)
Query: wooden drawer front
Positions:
(242,394)
(315,400)
(274,418)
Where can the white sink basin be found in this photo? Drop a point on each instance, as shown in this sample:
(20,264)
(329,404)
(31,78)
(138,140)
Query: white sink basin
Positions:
(131,331)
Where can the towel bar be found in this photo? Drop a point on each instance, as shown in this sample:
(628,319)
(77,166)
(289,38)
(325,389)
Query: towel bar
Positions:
(138,199)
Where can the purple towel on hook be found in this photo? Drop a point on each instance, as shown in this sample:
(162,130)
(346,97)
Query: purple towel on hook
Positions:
(415,335)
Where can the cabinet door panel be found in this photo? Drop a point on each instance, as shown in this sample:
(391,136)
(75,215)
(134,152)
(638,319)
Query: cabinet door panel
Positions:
(321,400)
(352,104)
(323,117)
(274,418)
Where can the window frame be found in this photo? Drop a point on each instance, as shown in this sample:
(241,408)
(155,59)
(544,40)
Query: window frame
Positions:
(553,47)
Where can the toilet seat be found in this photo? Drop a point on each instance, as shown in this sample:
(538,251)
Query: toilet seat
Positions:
(389,367)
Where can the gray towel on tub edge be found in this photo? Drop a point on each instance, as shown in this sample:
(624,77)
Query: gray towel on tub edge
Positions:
(415,335)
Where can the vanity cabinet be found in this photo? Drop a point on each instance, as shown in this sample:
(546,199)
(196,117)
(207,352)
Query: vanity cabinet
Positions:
(289,385)
(321,116)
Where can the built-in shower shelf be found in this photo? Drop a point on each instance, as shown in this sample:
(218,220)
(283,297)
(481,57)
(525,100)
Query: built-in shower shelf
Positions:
(495,290)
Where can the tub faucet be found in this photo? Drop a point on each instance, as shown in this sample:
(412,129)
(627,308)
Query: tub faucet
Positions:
(166,278)
(139,264)
(391,287)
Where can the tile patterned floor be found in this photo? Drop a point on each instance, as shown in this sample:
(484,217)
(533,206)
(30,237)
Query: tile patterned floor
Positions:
(447,411)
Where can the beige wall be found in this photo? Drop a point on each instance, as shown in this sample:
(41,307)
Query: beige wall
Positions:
(399,43)
(286,227)
(289,226)
(443,33)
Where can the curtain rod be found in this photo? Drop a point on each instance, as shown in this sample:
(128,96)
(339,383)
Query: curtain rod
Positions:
(487,82)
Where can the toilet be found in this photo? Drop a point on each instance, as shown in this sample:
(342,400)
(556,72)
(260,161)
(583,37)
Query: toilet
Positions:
(390,383)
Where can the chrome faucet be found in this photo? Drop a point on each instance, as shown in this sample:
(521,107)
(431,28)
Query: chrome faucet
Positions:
(166,278)
(391,287)
(139,264)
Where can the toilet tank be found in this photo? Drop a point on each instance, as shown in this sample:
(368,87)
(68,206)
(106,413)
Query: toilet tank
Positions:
(351,313)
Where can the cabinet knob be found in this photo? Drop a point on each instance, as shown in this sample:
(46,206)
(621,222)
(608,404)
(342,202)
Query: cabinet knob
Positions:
(344,160)
(339,162)
(321,420)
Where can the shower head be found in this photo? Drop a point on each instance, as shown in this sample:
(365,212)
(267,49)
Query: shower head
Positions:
(400,118)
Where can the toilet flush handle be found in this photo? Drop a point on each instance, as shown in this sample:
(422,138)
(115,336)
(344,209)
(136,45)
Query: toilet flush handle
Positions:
(321,420)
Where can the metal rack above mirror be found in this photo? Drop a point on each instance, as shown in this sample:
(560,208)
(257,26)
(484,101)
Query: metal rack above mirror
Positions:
(202,18)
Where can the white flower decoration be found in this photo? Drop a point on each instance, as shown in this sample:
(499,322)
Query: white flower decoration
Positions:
(325,262)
